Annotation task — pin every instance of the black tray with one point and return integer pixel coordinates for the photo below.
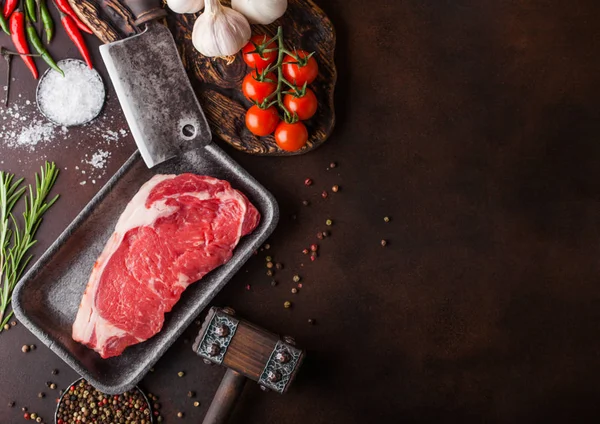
(48, 296)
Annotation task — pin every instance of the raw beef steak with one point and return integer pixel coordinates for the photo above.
(175, 230)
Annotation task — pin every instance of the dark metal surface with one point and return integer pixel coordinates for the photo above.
(475, 126)
(156, 95)
(47, 298)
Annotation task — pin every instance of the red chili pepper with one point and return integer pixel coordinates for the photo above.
(9, 7)
(75, 36)
(65, 7)
(17, 33)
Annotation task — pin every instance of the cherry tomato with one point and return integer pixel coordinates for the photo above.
(300, 71)
(261, 59)
(291, 137)
(256, 90)
(305, 106)
(262, 122)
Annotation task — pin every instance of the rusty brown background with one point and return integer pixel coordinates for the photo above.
(475, 126)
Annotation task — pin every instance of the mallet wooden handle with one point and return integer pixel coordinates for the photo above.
(229, 390)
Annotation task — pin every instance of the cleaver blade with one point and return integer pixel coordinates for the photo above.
(155, 93)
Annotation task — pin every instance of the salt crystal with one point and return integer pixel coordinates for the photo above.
(99, 159)
(82, 183)
(73, 100)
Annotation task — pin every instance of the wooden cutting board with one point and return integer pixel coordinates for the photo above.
(218, 83)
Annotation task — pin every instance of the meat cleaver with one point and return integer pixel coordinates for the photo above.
(153, 88)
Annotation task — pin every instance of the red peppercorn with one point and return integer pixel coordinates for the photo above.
(155, 413)
(314, 247)
(320, 236)
(26, 415)
(72, 388)
(305, 251)
(312, 258)
(324, 194)
(247, 286)
(104, 401)
(308, 182)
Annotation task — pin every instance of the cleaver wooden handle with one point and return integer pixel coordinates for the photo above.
(145, 10)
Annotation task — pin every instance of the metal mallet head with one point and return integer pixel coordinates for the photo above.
(247, 351)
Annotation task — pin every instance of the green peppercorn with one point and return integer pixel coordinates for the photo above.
(268, 259)
(159, 419)
(196, 404)
(33, 415)
(386, 219)
(6, 327)
(267, 246)
(287, 304)
(296, 278)
(269, 272)
(180, 373)
(329, 222)
(294, 290)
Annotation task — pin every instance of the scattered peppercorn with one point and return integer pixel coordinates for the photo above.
(278, 266)
(294, 290)
(305, 251)
(54, 371)
(287, 304)
(191, 394)
(26, 416)
(308, 182)
(324, 194)
(383, 243)
(52, 386)
(386, 219)
(311, 321)
(151, 369)
(159, 419)
(296, 278)
(299, 285)
(270, 265)
(33, 347)
(11, 404)
(320, 235)
(25, 349)
(24, 409)
(273, 283)
(13, 323)
(268, 259)
(41, 395)
(270, 272)
(248, 287)
(267, 246)
(196, 404)
(180, 415)
(314, 247)
(6, 327)
(180, 374)
(332, 165)
(305, 202)
(329, 222)
(313, 258)
(335, 188)
(325, 234)
(38, 420)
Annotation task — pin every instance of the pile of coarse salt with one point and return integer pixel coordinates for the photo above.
(74, 99)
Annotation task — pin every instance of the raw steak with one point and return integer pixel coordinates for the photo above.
(175, 230)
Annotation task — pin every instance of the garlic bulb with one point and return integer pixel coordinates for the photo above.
(260, 11)
(220, 30)
(185, 6)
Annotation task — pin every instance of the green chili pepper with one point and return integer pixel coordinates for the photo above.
(30, 6)
(47, 20)
(3, 23)
(37, 44)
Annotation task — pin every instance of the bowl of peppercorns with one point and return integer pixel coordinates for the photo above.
(82, 403)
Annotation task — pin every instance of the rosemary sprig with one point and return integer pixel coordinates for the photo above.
(15, 242)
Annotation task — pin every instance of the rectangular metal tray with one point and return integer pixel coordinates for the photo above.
(48, 296)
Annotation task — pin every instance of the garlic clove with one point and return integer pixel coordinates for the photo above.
(260, 11)
(220, 31)
(185, 6)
